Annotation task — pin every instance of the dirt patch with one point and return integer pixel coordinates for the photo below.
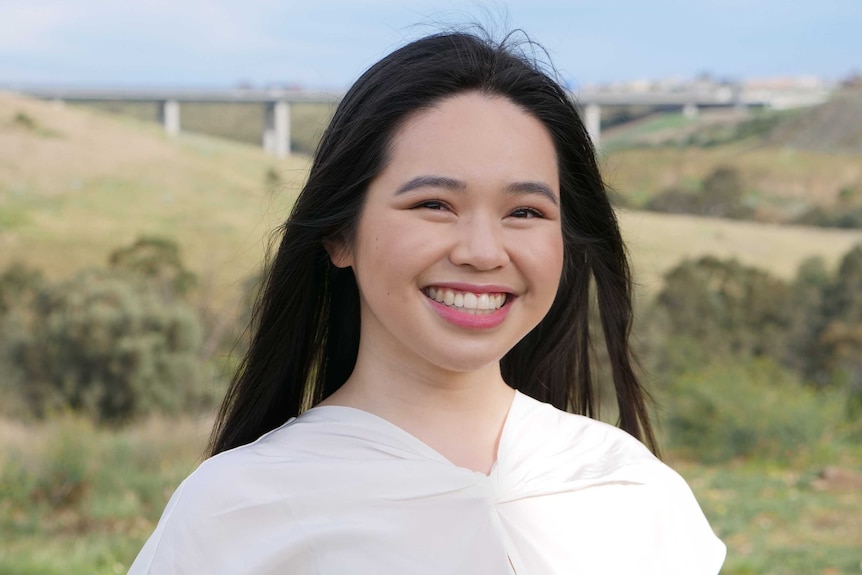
(837, 479)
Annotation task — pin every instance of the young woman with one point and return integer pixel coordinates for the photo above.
(422, 331)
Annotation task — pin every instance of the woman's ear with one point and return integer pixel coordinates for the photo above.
(339, 253)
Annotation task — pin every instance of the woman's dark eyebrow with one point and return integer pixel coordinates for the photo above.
(431, 182)
(457, 185)
(533, 188)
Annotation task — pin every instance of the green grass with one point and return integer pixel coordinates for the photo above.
(81, 500)
(708, 129)
(773, 521)
(629, 135)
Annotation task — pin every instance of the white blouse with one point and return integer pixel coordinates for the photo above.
(339, 491)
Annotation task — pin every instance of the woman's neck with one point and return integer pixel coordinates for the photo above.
(459, 414)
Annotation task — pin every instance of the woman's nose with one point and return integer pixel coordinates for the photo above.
(479, 242)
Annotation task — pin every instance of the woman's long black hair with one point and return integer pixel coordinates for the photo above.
(305, 326)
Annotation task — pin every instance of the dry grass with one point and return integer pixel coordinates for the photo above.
(782, 176)
(83, 183)
(659, 241)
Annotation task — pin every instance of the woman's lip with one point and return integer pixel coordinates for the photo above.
(466, 320)
(474, 288)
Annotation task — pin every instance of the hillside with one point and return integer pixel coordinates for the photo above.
(76, 183)
(658, 242)
(835, 126)
(778, 183)
(790, 163)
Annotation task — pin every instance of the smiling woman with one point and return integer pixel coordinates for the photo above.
(420, 343)
(461, 231)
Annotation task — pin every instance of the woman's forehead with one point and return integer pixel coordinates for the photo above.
(474, 135)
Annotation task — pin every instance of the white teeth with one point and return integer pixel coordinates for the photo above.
(471, 301)
(467, 301)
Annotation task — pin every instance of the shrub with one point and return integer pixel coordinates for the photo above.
(728, 308)
(838, 217)
(19, 288)
(158, 262)
(746, 409)
(110, 348)
(721, 195)
(24, 120)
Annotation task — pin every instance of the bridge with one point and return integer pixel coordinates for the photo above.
(275, 135)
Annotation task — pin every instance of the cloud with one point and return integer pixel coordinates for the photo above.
(33, 26)
(52, 26)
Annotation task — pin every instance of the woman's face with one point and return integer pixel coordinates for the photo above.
(458, 251)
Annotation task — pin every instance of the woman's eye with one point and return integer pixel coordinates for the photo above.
(432, 205)
(527, 213)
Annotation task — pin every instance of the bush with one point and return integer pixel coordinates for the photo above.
(747, 409)
(108, 347)
(19, 288)
(839, 217)
(158, 262)
(729, 309)
(721, 196)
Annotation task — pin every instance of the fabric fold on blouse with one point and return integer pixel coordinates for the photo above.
(339, 490)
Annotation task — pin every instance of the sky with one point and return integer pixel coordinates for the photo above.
(326, 44)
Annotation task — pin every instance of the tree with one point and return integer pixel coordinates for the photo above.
(845, 295)
(109, 347)
(158, 262)
(720, 196)
(725, 308)
(837, 349)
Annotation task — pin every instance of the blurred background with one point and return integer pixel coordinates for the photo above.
(148, 150)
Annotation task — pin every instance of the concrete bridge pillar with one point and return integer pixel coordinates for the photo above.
(592, 117)
(170, 113)
(690, 111)
(276, 129)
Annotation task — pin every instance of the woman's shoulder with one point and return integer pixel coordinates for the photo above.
(597, 447)
(597, 471)
(545, 445)
(229, 496)
(243, 470)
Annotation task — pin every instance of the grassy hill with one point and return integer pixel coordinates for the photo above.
(836, 126)
(778, 183)
(77, 183)
(789, 162)
(657, 242)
